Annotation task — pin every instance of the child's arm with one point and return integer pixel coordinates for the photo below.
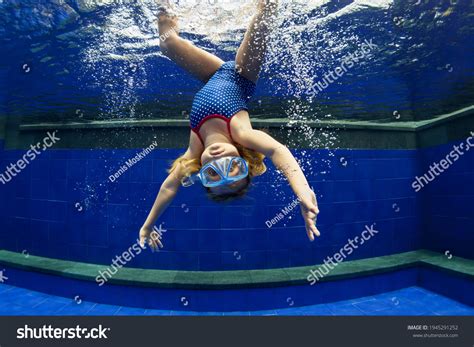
(286, 163)
(167, 192)
(169, 189)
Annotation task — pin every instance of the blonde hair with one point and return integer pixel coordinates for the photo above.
(254, 160)
(185, 166)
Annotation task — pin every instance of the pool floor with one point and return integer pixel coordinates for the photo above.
(411, 301)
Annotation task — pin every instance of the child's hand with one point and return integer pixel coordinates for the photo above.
(151, 237)
(310, 211)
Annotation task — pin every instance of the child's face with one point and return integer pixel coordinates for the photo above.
(220, 150)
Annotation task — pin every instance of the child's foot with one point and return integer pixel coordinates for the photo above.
(165, 8)
(167, 20)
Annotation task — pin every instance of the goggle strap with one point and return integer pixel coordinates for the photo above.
(188, 181)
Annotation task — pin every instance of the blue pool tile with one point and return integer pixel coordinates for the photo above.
(75, 309)
(12, 310)
(413, 301)
(157, 313)
(103, 310)
(265, 313)
(237, 313)
(14, 295)
(130, 311)
(5, 287)
(455, 311)
(49, 307)
(345, 309)
(315, 310)
(142, 171)
(369, 305)
(59, 300)
(212, 314)
(58, 168)
(208, 260)
(387, 312)
(185, 313)
(32, 300)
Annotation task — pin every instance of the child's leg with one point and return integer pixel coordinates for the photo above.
(195, 60)
(251, 53)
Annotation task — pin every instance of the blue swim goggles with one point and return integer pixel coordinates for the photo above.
(219, 172)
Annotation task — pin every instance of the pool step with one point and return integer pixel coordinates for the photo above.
(238, 278)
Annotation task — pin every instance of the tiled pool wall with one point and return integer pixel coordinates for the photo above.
(63, 205)
(448, 203)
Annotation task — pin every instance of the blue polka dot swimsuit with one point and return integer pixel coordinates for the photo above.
(226, 93)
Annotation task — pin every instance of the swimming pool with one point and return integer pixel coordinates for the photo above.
(71, 216)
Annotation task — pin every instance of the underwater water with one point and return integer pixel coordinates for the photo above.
(89, 59)
(88, 67)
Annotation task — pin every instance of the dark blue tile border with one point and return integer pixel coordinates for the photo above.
(246, 299)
